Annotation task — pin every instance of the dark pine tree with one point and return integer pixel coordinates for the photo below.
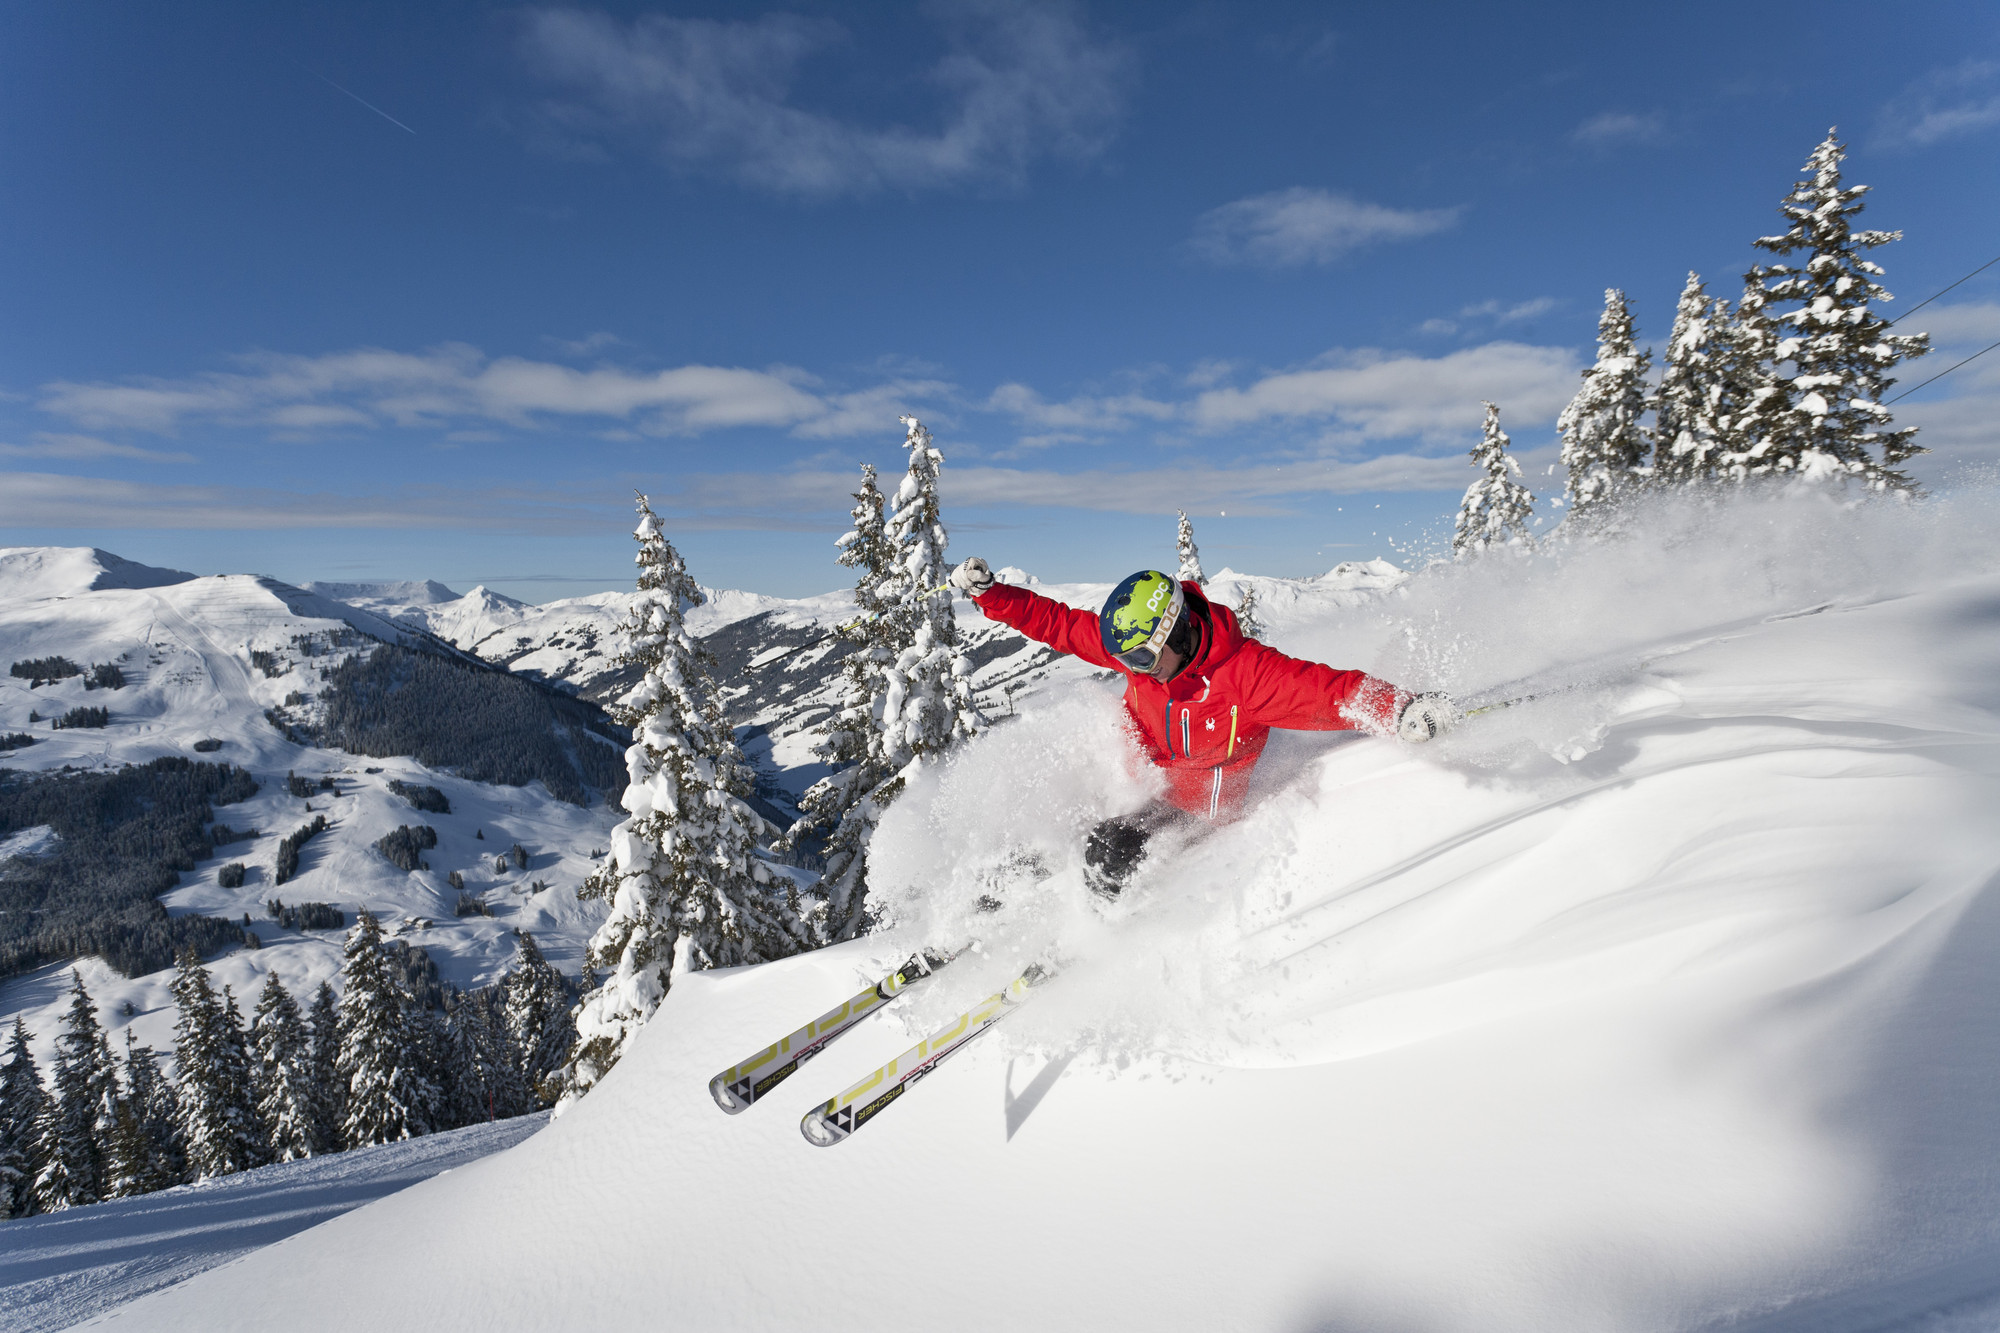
(21, 1100)
(145, 1149)
(483, 1069)
(539, 1026)
(72, 1171)
(329, 1093)
(242, 1089)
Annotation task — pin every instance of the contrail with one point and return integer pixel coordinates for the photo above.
(370, 105)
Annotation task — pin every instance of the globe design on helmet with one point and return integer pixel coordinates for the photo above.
(1139, 616)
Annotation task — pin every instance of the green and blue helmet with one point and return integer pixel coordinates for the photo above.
(1142, 613)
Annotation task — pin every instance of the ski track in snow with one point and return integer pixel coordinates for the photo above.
(64, 1268)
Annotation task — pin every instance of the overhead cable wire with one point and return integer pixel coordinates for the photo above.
(1934, 296)
(1942, 373)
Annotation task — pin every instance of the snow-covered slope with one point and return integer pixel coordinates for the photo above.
(31, 573)
(1662, 1002)
(203, 659)
(60, 1268)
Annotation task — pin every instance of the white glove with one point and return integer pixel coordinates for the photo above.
(972, 578)
(1425, 716)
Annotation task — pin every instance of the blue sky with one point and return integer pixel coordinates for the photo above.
(361, 291)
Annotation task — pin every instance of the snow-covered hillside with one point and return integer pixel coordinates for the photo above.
(203, 658)
(1661, 1002)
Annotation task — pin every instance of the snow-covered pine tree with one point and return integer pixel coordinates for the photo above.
(928, 705)
(1190, 556)
(538, 1026)
(217, 1122)
(386, 1094)
(82, 1100)
(1496, 508)
(838, 805)
(908, 690)
(107, 1097)
(236, 1066)
(686, 888)
(430, 1050)
(1246, 614)
(468, 1081)
(485, 1070)
(1693, 401)
(1604, 441)
(127, 1158)
(281, 1074)
(21, 1101)
(1751, 397)
(323, 1064)
(145, 1148)
(1829, 421)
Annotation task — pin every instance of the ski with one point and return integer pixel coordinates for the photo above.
(827, 1125)
(740, 1085)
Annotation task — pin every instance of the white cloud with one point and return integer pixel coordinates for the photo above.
(1288, 228)
(1490, 312)
(1966, 322)
(875, 409)
(1607, 129)
(1079, 417)
(1942, 105)
(454, 384)
(1020, 81)
(1501, 313)
(51, 500)
(581, 347)
(77, 448)
(1254, 491)
(1955, 417)
(1385, 395)
(1206, 373)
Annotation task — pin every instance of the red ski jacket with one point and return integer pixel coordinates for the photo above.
(1207, 726)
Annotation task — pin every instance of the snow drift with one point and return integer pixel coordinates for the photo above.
(1662, 1001)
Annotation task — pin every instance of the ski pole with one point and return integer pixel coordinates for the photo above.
(1496, 707)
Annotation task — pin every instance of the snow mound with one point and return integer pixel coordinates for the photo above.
(1660, 1001)
(35, 573)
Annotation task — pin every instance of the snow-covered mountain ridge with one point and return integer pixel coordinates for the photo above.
(1660, 1002)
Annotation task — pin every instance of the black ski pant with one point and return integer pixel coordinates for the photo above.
(1118, 845)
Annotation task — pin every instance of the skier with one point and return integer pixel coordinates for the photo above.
(1202, 696)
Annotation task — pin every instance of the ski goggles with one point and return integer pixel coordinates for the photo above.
(1146, 656)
